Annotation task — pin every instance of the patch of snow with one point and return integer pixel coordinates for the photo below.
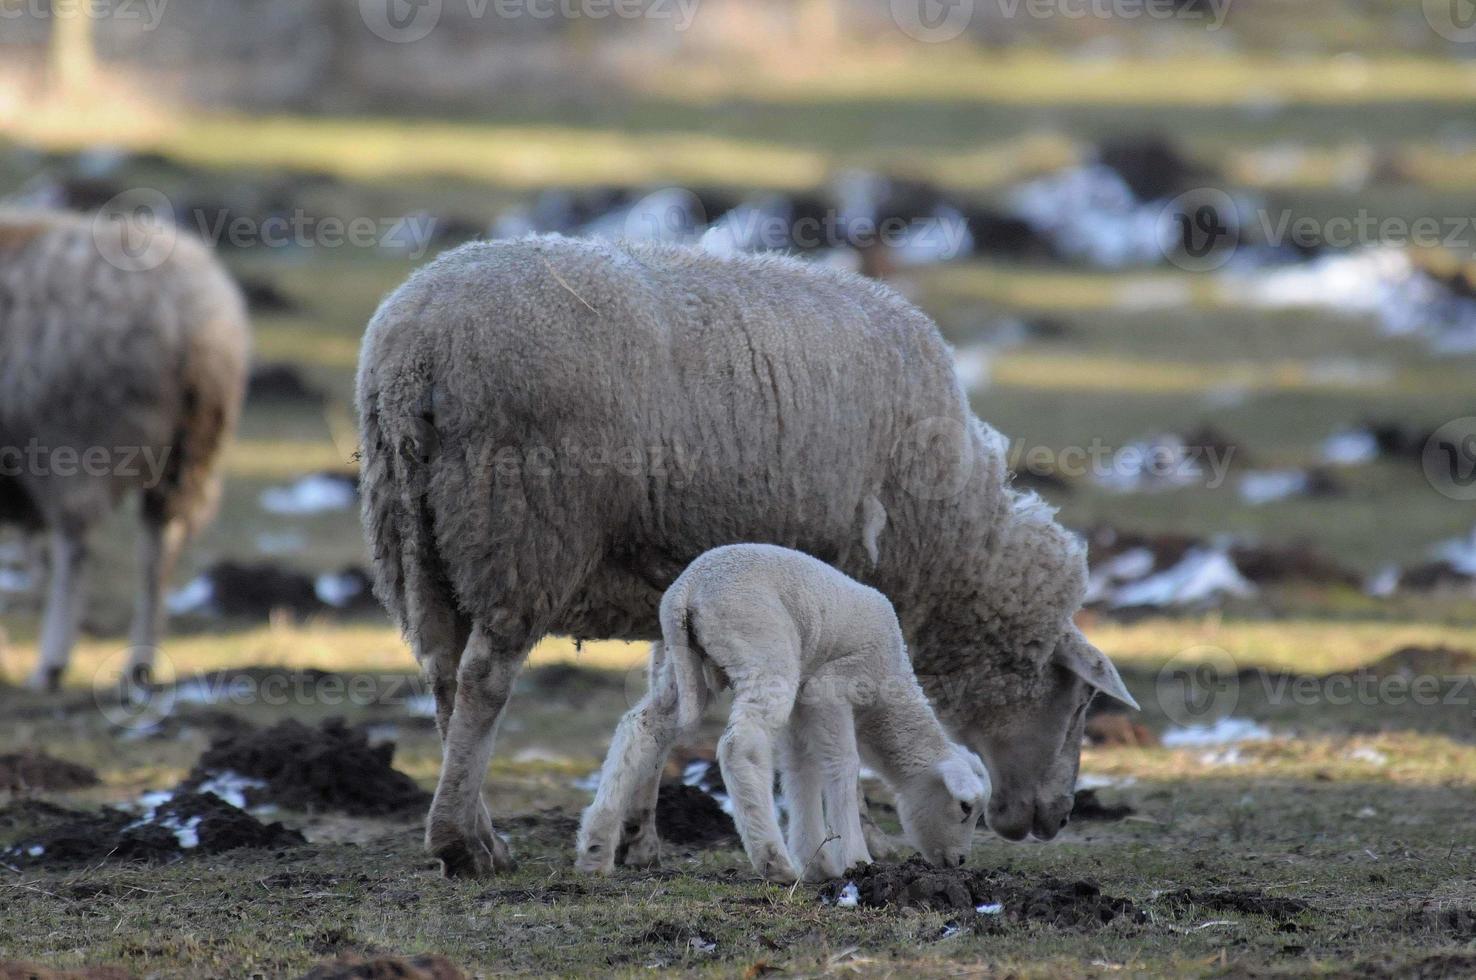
(1366, 753)
(1223, 731)
(1231, 756)
(989, 908)
(421, 706)
(197, 596)
(318, 493)
(849, 897)
(1160, 462)
(231, 787)
(973, 364)
(338, 589)
(1091, 780)
(1460, 552)
(1269, 486)
(1129, 566)
(1351, 447)
(1091, 214)
(280, 542)
(1200, 576)
(535, 753)
(187, 832)
(1366, 813)
(590, 783)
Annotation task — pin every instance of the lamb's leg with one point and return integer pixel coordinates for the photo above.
(63, 608)
(842, 803)
(802, 777)
(641, 844)
(746, 754)
(159, 544)
(878, 842)
(459, 830)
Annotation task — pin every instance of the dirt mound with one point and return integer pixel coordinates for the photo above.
(687, 816)
(1419, 661)
(1086, 806)
(332, 767)
(23, 772)
(187, 823)
(427, 967)
(1276, 907)
(1034, 898)
(1115, 728)
(20, 970)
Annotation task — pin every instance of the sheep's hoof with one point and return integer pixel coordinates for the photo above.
(46, 680)
(595, 861)
(479, 856)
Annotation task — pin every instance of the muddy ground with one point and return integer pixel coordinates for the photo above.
(1344, 854)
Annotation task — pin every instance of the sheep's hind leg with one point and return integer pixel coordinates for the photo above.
(63, 608)
(459, 830)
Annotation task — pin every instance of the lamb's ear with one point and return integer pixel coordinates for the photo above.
(961, 781)
(1091, 665)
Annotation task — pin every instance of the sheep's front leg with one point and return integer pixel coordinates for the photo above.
(159, 544)
(746, 755)
(63, 608)
(842, 802)
(459, 830)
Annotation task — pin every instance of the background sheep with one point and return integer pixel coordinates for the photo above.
(553, 429)
(820, 674)
(122, 365)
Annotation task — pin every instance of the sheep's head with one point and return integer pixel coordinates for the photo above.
(1024, 707)
(940, 807)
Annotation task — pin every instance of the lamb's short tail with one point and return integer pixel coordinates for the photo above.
(684, 654)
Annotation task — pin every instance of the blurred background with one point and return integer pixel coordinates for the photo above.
(1207, 263)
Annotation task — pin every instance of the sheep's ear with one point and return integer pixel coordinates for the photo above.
(1091, 665)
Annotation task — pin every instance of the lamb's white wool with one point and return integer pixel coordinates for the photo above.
(122, 367)
(820, 680)
(553, 429)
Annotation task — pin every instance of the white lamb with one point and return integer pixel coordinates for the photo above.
(819, 671)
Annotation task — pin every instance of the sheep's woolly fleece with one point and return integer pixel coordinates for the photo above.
(147, 362)
(553, 429)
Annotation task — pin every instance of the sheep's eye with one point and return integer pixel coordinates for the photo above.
(968, 810)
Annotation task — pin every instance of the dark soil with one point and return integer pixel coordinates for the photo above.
(1276, 907)
(74, 837)
(1087, 807)
(1074, 905)
(255, 590)
(427, 967)
(265, 296)
(20, 970)
(1418, 661)
(687, 816)
(278, 382)
(22, 772)
(332, 767)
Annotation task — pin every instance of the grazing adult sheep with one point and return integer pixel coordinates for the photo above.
(819, 674)
(553, 429)
(122, 366)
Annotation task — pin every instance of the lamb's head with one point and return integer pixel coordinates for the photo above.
(1033, 674)
(940, 806)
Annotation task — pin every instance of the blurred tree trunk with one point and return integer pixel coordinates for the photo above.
(73, 57)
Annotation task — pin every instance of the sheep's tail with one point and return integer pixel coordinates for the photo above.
(212, 386)
(686, 660)
(398, 452)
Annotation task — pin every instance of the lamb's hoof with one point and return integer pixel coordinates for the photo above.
(643, 851)
(479, 856)
(595, 859)
(46, 680)
(881, 846)
(777, 868)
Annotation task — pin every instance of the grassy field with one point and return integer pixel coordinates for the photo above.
(1357, 815)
